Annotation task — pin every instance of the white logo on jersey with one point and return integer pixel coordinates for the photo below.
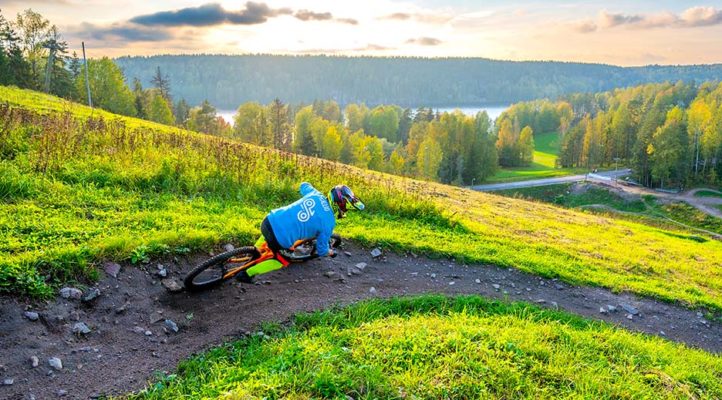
(306, 210)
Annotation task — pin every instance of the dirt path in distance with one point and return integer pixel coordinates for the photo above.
(130, 340)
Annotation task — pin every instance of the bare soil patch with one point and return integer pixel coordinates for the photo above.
(130, 340)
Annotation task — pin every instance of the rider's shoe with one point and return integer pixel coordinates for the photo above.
(243, 277)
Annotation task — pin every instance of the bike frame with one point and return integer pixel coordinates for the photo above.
(266, 254)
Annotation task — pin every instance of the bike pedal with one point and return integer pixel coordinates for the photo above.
(243, 277)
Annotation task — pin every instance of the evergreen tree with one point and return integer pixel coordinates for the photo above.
(162, 83)
(181, 112)
(304, 141)
(280, 127)
(14, 70)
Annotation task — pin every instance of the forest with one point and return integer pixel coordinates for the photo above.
(227, 81)
(670, 134)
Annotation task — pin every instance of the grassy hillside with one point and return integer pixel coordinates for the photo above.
(75, 191)
(645, 208)
(434, 347)
(546, 148)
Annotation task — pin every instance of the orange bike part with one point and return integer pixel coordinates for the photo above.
(266, 254)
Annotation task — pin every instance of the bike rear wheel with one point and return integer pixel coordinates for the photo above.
(215, 270)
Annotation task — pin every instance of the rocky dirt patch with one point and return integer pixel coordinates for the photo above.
(118, 333)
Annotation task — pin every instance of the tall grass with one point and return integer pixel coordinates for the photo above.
(434, 347)
(78, 190)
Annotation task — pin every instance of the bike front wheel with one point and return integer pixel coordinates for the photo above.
(215, 270)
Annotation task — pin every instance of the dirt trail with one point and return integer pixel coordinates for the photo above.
(126, 347)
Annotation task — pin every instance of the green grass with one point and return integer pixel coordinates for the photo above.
(434, 347)
(75, 192)
(646, 210)
(562, 195)
(543, 166)
(707, 193)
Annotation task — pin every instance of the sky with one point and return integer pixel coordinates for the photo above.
(619, 32)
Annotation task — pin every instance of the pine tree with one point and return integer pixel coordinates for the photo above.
(279, 125)
(162, 83)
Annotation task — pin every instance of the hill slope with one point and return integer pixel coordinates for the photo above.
(76, 191)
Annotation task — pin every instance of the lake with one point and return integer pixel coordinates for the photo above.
(493, 111)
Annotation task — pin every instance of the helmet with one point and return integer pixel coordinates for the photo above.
(341, 195)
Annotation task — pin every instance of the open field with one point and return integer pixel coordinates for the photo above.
(708, 193)
(78, 191)
(646, 209)
(436, 347)
(543, 166)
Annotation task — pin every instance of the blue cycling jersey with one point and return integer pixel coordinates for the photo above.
(309, 217)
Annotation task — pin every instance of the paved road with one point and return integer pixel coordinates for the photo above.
(548, 181)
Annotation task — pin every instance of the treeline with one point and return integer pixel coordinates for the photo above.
(227, 81)
(448, 147)
(669, 134)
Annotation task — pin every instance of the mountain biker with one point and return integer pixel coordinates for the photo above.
(309, 217)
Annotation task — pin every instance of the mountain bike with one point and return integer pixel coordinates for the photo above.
(224, 266)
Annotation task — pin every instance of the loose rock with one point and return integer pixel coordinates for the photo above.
(55, 363)
(347, 253)
(376, 253)
(8, 381)
(71, 293)
(228, 247)
(62, 393)
(495, 286)
(477, 280)
(31, 315)
(631, 310)
(330, 274)
(353, 271)
(611, 308)
(91, 295)
(451, 283)
(361, 266)
(34, 361)
(171, 325)
(372, 290)
(433, 276)
(602, 310)
(171, 285)
(112, 269)
(162, 272)
(81, 329)
(155, 317)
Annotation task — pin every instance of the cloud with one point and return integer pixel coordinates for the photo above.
(437, 18)
(121, 31)
(397, 16)
(349, 21)
(368, 47)
(701, 16)
(690, 18)
(211, 14)
(305, 15)
(425, 41)
(608, 20)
